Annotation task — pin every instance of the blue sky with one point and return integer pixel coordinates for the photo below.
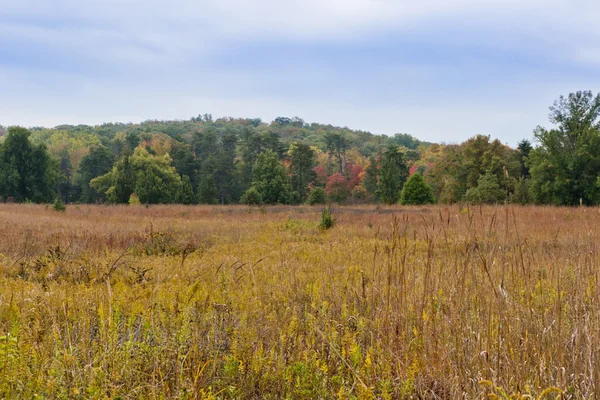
(440, 70)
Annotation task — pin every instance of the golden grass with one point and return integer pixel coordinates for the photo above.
(232, 302)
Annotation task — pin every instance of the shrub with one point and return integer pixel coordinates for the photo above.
(360, 193)
(487, 191)
(416, 191)
(316, 196)
(59, 205)
(327, 220)
(337, 188)
(251, 197)
(134, 199)
(522, 195)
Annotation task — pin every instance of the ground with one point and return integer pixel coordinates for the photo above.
(239, 302)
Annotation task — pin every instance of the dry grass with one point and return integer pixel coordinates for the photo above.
(221, 302)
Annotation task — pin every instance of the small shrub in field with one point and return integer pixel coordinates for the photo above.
(327, 220)
(59, 205)
(317, 196)
(134, 199)
(251, 197)
(416, 191)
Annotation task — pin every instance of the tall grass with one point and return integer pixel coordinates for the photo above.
(227, 302)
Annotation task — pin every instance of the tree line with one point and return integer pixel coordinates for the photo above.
(288, 161)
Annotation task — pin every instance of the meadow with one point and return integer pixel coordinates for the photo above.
(227, 302)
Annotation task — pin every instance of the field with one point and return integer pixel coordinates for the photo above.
(237, 302)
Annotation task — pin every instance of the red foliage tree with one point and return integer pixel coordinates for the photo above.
(337, 188)
(355, 172)
(321, 178)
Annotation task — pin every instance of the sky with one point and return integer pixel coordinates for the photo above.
(441, 70)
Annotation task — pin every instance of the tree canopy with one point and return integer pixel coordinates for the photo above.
(216, 160)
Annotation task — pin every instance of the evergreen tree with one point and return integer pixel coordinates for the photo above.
(487, 191)
(251, 197)
(371, 182)
(524, 148)
(123, 182)
(522, 195)
(207, 190)
(317, 196)
(392, 175)
(416, 191)
(302, 162)
(186, 192)
(184, 162)
(270, 179)
(27, 172)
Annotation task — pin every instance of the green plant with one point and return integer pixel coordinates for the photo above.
(59, 205)
(416, 191)
(251, 197)
(134, 199)
(327, 220)
(316, 196)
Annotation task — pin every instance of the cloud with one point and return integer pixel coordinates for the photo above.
(433, 68)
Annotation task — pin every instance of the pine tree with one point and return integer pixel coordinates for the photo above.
(270, 179)
(371, 178)
(186, 193)
(416, 191)
(392, 175)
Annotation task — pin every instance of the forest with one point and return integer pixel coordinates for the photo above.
(289, 161)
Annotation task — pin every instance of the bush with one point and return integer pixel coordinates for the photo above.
(134, 200)
(317, 196)
(521, 194)
(360, 193)
(337, 188)
(416, 191)
(251, 197)
(59, 205)
(487, 191)
(327, 220)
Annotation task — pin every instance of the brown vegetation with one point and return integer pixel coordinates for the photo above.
(238, 302)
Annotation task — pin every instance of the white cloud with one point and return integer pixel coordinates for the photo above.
(156, 52)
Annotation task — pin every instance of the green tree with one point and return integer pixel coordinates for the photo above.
(524, 148)
(336, 145)
(416, 191)
(65, 187)
(317, 196)
(487, 191)
(522, 195)
(27, 172)
(302, 162)
(185, 162)
(566, 164)
(156, 180)
(270, 179)
(207, 190)
(251, 197)
(97, 162)
(392, 175)
(186, 192)
(371, 182)
(153, 179)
